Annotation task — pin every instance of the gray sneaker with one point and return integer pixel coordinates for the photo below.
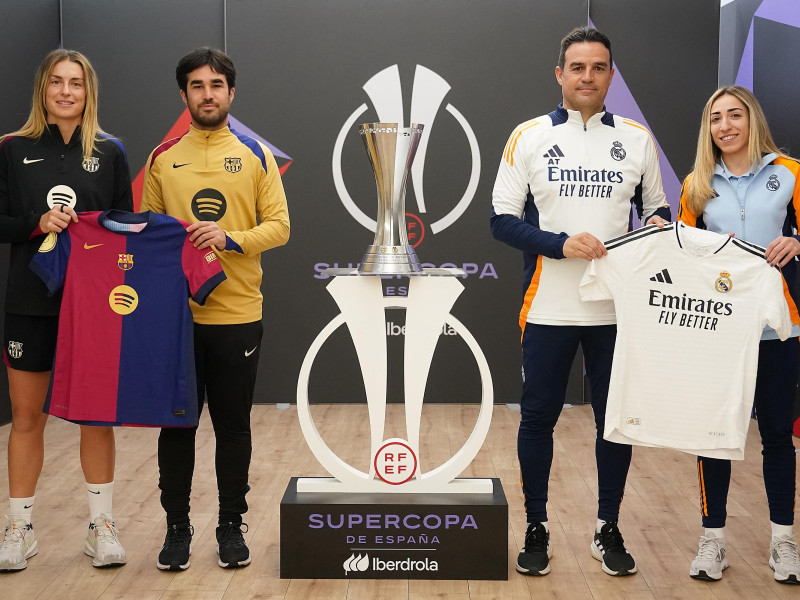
(19, 544)
(102, 544)
(710, 561)
(783, 559)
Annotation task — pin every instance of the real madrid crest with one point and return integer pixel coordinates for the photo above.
(233, 164)
(617, 151)
(723, 283)
(91, 164)
(773, 185)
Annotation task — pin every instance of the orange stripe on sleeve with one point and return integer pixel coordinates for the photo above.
(684, 214)
(794, 167)
(795, 317)
(512, 142)
(530, 294)
(643, 128)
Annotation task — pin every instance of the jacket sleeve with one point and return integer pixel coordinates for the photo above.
(793, 208)
(123, 195)
(685, 215)
(13, 227)
(654, 201)
(270, 203)
(509, 196)
(152, 197)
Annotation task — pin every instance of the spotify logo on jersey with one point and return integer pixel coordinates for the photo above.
(208, 205)
(123, 300)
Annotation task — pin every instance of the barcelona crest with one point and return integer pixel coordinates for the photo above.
(233, 165)
(14, 349)
(125, 262)
(91, 164)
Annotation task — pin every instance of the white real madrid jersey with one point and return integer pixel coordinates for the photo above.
(691, 306)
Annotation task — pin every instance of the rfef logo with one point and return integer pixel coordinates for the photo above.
(395, 462)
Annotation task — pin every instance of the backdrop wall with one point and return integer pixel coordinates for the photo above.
(308, 71)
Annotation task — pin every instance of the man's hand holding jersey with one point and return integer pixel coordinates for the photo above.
(207, 233)
(583, 245)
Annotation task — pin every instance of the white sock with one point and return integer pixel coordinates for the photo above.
(599, 525)
(546, 526)
(779, 530)
(714, 532)
(100, 496)
(20, 509)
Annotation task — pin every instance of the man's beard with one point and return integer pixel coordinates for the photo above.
(210, 120)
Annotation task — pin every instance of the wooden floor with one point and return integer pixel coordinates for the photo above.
(660, 519)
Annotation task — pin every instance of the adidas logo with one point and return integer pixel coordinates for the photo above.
(663, 277)
(554, 152)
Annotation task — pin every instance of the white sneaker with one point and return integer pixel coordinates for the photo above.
(103, 545)
(710, 561)
(19, 544)
(783, 559)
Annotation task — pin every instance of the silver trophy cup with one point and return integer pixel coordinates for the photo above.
(391, 151)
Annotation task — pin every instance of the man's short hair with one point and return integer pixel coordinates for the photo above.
(583, 34)
(216, 59)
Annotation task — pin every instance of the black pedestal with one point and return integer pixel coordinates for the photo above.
(394, 536)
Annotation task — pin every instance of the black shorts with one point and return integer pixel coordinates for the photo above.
(29, 342)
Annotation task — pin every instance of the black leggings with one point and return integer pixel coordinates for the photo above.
(776, 389)
(226, 362)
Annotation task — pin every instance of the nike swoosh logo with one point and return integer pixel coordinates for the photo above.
(175, 165)
(27, 161)
(249, 352)
(27, 507)
(90, 246)
(93, 492)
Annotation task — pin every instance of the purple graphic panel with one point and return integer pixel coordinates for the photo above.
(780, 11)
(242, 128)
(621, 102)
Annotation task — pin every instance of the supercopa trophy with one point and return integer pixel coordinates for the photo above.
(397, 516)
(391, 151)
(395, 464)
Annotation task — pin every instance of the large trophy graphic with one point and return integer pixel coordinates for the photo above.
(387, 502)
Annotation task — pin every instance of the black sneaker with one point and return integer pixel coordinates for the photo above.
(174, 555)
(609, 548)
(232, 550)
(535, 556)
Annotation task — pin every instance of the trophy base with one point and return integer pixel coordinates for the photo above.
(372, 535)
(389, 260)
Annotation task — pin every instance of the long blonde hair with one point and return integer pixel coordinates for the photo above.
(36, 124)
(760, 142)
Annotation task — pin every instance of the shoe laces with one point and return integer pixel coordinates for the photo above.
(786, 548)
(13, 535)
(710, 548)
(105, 531)
(232, 534)
(178, 534)
(612, 538)
(536, 538)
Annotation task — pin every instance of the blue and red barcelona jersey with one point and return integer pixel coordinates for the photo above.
(125, 347)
